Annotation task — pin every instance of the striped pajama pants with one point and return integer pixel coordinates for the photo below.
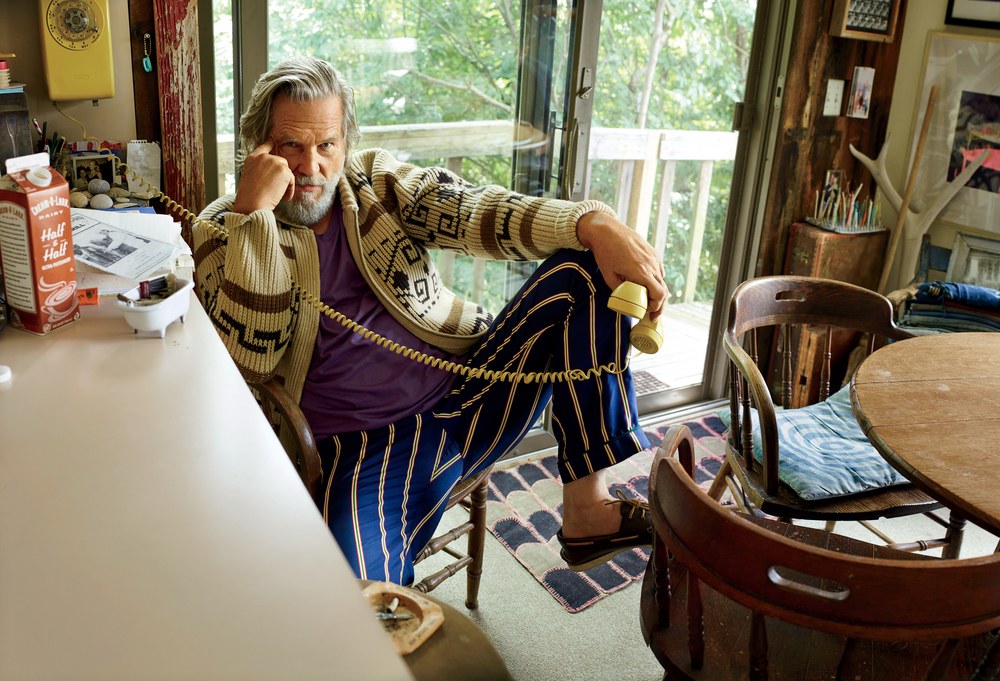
(386, 489)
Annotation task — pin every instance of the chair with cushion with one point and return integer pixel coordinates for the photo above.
(813, 462)
(729, 595)
(294, 432)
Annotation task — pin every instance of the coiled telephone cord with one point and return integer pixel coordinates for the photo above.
(389, 344)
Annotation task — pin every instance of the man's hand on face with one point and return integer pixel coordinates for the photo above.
(266, 179)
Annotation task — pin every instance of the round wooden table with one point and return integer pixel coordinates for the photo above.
(931, 406)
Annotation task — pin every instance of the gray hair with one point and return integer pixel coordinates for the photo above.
(303, 79)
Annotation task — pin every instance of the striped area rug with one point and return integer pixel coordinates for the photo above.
(524, 512)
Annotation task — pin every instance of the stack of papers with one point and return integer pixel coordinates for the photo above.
(115, 251)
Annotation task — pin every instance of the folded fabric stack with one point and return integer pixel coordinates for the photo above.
(941, 306)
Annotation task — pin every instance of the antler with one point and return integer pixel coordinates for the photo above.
(916, 222)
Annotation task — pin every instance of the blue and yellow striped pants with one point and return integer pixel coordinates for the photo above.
(386, 489)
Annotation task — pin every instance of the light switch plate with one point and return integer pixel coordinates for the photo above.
(834, 97)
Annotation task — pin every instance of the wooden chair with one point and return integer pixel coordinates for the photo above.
(833, 604)
(294, 432)
(811, 318)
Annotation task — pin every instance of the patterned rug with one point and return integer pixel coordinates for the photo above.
(524, 512)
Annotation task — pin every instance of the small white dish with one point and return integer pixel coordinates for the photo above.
(156, 316)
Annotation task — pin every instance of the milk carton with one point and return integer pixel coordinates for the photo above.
(36, 246)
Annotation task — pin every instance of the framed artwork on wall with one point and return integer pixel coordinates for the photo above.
(865, 19)
(975, 260)
(965, 124)
(981, 13)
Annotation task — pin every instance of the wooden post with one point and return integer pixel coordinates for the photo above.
(698, 229)
(179, 79)
(643, 180)
(664, 207)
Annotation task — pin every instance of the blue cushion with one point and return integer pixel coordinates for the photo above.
(824, 454)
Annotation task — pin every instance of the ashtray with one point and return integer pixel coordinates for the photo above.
(406, 616)
(156, 314)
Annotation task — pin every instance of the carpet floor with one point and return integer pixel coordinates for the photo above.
(524, 512)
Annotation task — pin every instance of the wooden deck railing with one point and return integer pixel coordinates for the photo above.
(643, 156)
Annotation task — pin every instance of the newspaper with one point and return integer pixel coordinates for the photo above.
(111, 244)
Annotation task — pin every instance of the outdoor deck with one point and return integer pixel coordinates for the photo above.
(681, 360)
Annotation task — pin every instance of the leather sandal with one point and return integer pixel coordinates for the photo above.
(583, 553)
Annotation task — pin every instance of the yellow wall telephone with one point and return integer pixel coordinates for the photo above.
(628, 298)
(76, 48)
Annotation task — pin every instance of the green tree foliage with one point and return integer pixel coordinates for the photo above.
(663, 64)
(412, 61)
(697, 78)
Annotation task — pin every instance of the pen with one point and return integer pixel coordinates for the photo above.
(41, 135)
(56, 147)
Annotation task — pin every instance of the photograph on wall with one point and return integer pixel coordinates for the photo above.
(861, 92)
(964, 123)
(832, 187)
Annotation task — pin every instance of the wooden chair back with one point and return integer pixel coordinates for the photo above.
(810, 317)
(296, 436)
(826, 306)
(810, 578)
(786, 305)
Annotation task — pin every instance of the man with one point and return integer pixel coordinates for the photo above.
(395, 435)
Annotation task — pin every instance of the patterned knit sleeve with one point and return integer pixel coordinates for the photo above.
(441, 210)
(245, 287)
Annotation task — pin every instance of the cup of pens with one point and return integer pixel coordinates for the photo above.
(54, 146)
(155, 304)
(843, 210)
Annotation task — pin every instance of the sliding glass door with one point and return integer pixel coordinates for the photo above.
(670, 74)
(628, 101)
(433, 85)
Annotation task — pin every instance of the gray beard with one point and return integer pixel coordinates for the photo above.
(305, 210)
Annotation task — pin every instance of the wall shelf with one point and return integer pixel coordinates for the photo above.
(865, 19)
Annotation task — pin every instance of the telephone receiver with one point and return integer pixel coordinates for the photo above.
(631, 299)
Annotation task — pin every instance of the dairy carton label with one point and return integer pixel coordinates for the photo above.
(36, 250)
(15, 257)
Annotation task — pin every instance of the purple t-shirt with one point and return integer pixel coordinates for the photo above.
(353, 384)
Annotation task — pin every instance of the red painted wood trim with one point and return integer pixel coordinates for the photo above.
(179, 77)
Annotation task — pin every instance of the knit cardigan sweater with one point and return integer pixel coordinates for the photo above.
(393, 213)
